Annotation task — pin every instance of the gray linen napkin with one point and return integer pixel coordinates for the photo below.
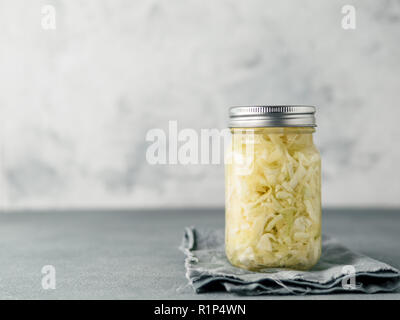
(208, 269)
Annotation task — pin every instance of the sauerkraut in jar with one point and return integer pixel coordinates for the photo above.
(273, 189)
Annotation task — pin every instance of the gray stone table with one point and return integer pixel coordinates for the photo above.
(133, 254)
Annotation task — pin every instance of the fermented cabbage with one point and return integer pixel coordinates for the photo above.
(273, 199)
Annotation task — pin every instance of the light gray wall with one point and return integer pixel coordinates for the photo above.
(76, 102)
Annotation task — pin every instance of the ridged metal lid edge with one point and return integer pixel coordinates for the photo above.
(272, 116)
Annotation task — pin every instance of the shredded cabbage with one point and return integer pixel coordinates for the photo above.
(273, 209)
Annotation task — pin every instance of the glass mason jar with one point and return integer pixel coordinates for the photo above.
(273, 189)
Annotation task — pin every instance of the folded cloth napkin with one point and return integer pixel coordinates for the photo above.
(339, 270)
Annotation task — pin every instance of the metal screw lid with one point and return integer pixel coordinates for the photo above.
(272, 116)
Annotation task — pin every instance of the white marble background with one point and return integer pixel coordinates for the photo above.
(76, 102)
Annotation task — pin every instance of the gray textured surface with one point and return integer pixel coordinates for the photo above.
(134, 254)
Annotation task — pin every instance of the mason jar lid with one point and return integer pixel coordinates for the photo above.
(272, 116)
